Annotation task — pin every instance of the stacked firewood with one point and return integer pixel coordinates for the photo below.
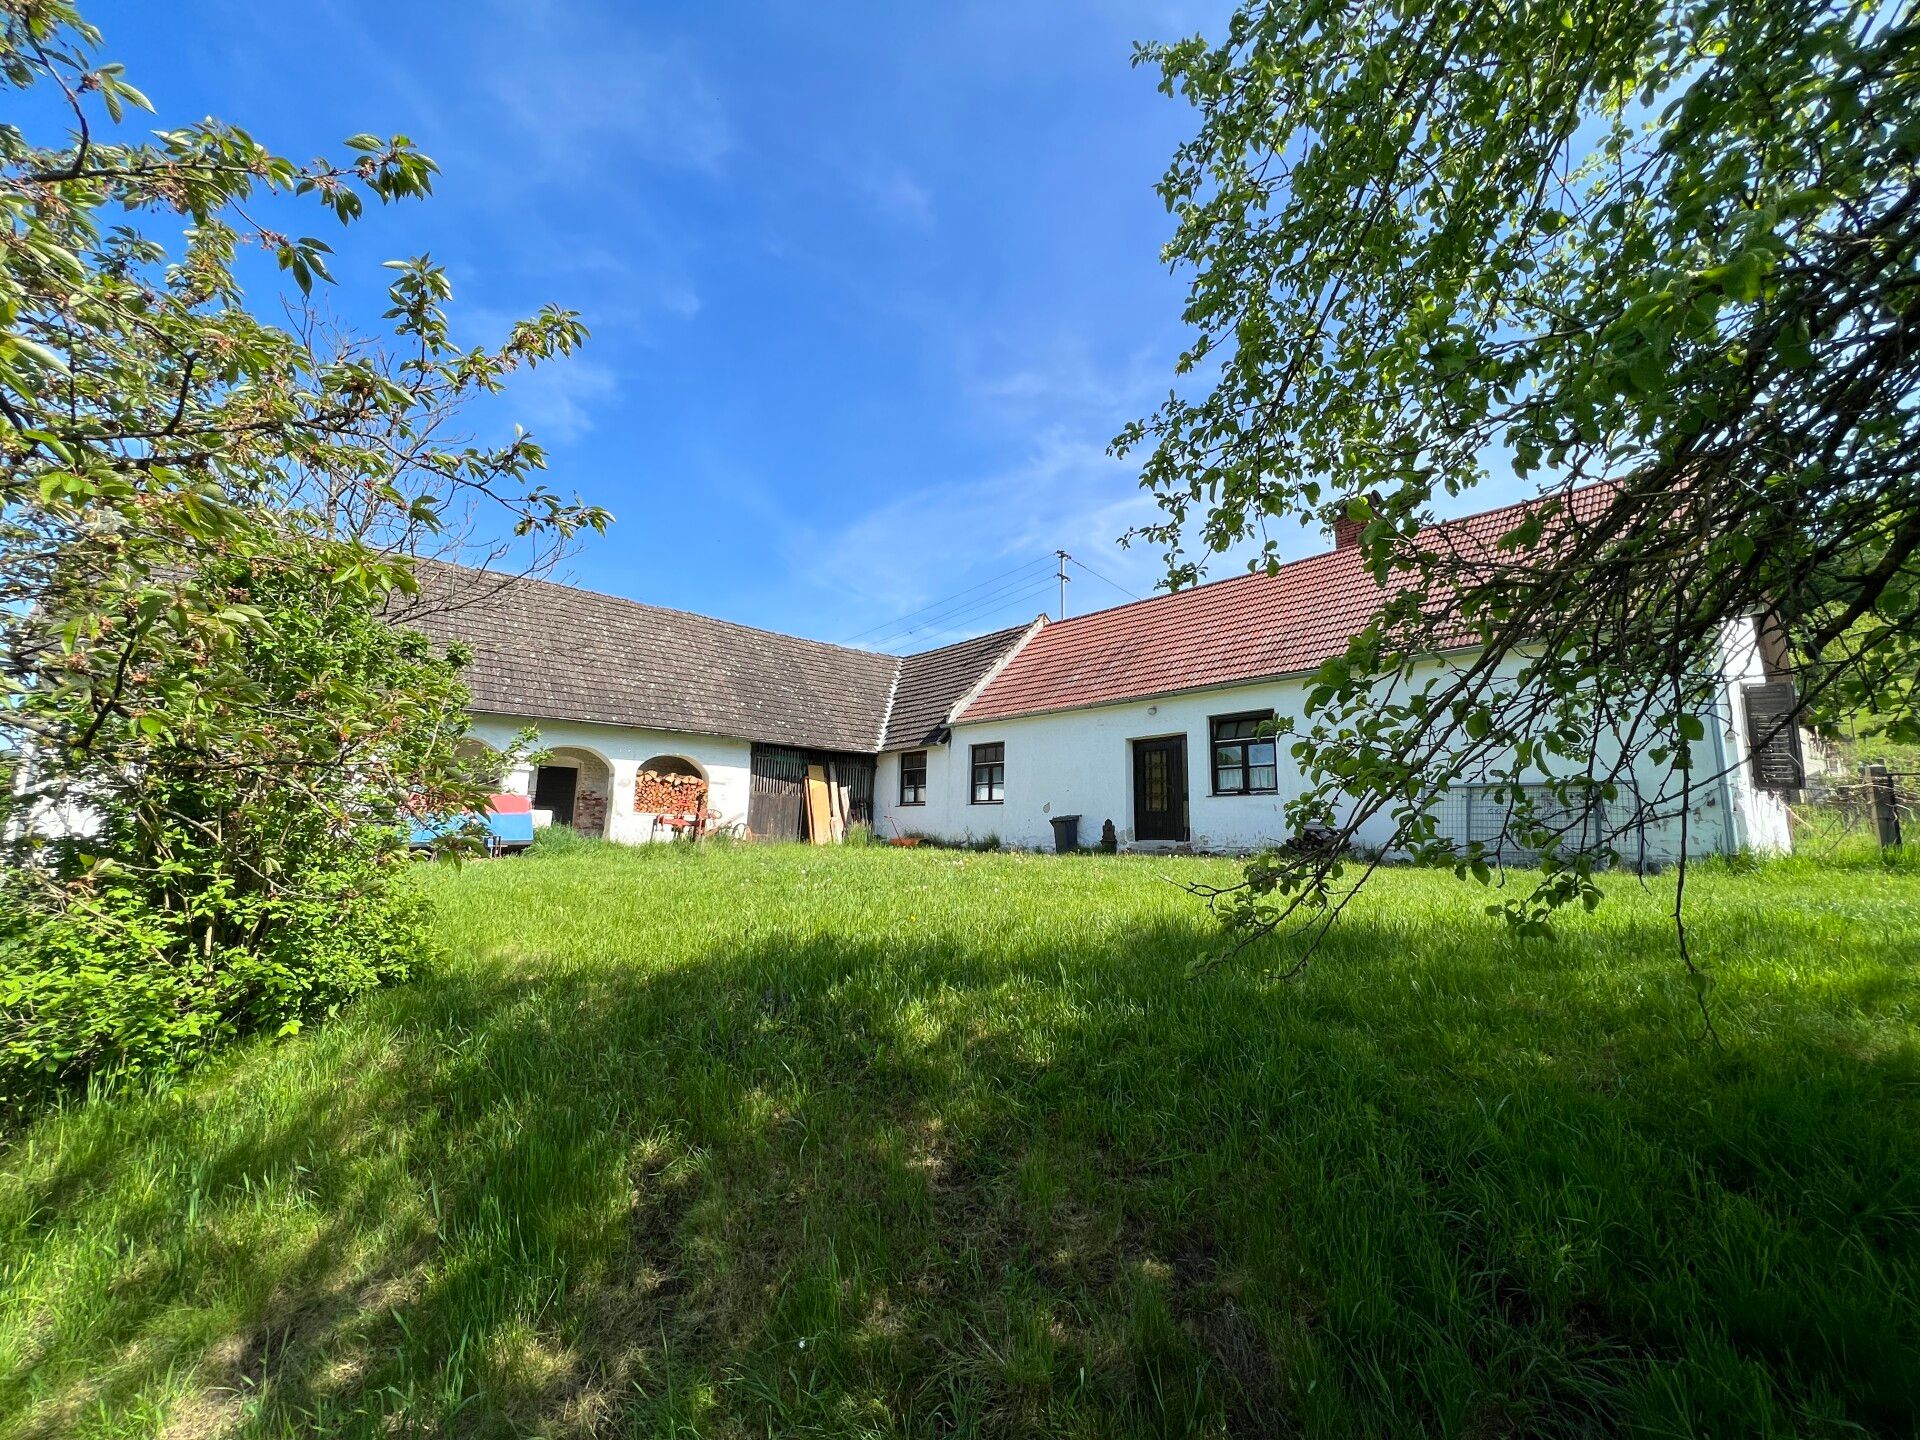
(657, 794)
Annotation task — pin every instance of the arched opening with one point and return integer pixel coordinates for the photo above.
(672, 765)
(575, 787)
(672, 789)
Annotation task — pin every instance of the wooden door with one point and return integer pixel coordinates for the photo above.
(1160, 789)
(776, 801)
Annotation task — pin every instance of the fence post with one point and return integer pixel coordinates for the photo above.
(1886, 813)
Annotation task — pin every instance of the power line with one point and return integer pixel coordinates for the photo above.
(1005, 595)
(986, 606)
(976, 610)
(1098, 576)
(944, 600)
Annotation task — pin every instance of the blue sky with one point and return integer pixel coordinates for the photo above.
(871, 285)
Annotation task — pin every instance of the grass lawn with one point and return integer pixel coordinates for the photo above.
(785, 1142)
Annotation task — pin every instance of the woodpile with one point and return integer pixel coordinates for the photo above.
(657, 794)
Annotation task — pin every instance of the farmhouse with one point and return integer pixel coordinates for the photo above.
(1149, 715)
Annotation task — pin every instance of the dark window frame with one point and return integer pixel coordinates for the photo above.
(1244, 744)
(920, 790)
(996, 766)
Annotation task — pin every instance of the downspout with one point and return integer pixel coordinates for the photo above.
(1731, 843)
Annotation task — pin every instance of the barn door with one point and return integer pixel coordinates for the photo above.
(776, 801)
(856, 773)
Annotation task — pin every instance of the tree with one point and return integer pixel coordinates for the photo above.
(202, 516)
(1668, 250)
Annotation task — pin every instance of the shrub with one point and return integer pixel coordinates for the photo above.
(120, 990)
(246, 867)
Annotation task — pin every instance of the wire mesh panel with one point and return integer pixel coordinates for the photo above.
(1494, 817)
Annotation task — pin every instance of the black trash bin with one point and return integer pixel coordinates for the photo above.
(1066, 833)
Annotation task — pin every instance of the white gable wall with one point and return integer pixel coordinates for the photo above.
(1761, 818)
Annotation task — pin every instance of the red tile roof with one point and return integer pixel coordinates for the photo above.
(1252, 627)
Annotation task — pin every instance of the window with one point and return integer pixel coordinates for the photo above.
(913, 778)
(989, 774)
(1243, 758)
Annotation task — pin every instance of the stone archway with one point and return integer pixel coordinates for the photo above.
(575, 785)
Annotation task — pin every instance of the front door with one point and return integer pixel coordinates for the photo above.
(553, 789)
(1160, 789)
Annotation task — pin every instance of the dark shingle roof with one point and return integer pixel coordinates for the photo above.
(553, 652)
(933, 680)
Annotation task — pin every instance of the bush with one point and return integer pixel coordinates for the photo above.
(246, 868)
(120, 990)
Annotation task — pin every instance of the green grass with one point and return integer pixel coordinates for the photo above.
(760, 1141)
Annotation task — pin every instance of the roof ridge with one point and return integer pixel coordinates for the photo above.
(506, 577)
(886, 711)
(1446, 524)
(969, 640)
(992, 672)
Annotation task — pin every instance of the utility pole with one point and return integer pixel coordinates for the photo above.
(1062, 577)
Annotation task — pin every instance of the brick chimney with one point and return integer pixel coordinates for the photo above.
(1346, 530)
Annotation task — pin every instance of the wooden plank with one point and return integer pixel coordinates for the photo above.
(819, 806)
(837, 787)
(776, 808)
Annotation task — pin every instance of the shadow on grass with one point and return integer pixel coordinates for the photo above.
(809, 1183)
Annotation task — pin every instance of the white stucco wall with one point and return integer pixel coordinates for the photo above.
(724, 763)
(1760, 817)
(1081, 762)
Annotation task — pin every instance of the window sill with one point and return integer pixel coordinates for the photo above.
(986, 802)
(910, 804)
(1240, 794)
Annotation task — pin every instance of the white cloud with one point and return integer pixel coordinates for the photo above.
(577, 118)
(582, 101)
(1066, 494)
(679, 299)
(557, 401)
(896, 194)
(1058, 381)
